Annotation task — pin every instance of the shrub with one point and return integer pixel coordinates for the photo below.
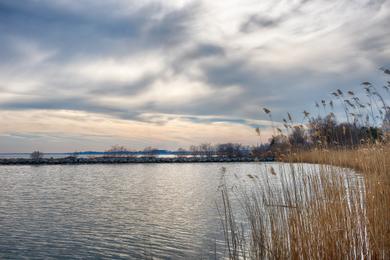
(36, 156)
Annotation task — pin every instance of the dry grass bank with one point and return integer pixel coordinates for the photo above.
(319, 216)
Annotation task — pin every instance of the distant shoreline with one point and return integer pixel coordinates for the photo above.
(128, 160)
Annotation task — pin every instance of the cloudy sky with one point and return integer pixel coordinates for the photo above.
(87, 74)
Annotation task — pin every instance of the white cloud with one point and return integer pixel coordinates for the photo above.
(169, 92)
(117, 70)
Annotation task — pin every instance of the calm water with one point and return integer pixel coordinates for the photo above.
(164, 211)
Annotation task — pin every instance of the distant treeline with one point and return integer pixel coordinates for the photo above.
(227, 150)
(206, 150)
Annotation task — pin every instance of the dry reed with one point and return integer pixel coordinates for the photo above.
(317, 214)
(373, 162)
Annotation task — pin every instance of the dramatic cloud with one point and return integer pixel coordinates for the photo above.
(87, 74)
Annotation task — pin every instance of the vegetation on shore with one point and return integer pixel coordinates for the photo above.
(204, 151)
(373, 163)
(319, 213)
(122, 160)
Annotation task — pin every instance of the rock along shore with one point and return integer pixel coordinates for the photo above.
(120, 160)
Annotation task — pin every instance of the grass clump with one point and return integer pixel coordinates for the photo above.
(373, 163)
(314, 212)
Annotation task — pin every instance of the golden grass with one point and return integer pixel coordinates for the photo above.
(373, 162)
(320, 215)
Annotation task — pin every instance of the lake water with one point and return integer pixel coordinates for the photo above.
(164, 211)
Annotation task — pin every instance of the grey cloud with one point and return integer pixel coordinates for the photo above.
(231, 72)
(262, 21)
(292, 90)
(75, 103)
(84, 33)
(204, 50)
(76, 33)
(255, 22)
(172, 28)
(161, 119)
(126, 89)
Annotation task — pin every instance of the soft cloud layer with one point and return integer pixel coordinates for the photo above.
(87, 74)
(69, 129)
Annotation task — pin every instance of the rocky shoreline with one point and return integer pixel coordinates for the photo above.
(121, 160)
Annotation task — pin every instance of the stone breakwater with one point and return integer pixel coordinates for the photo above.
(119, 160)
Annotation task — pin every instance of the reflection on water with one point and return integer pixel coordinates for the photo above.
(164, 211)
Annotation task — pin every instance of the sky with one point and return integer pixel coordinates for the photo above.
(88, 74)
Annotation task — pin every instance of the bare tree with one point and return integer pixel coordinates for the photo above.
(150, 152)
(36, 156)
(259, 150)
(117, 151)
(229, 150)
(206, 150)
(298, 137)
(194, 150)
